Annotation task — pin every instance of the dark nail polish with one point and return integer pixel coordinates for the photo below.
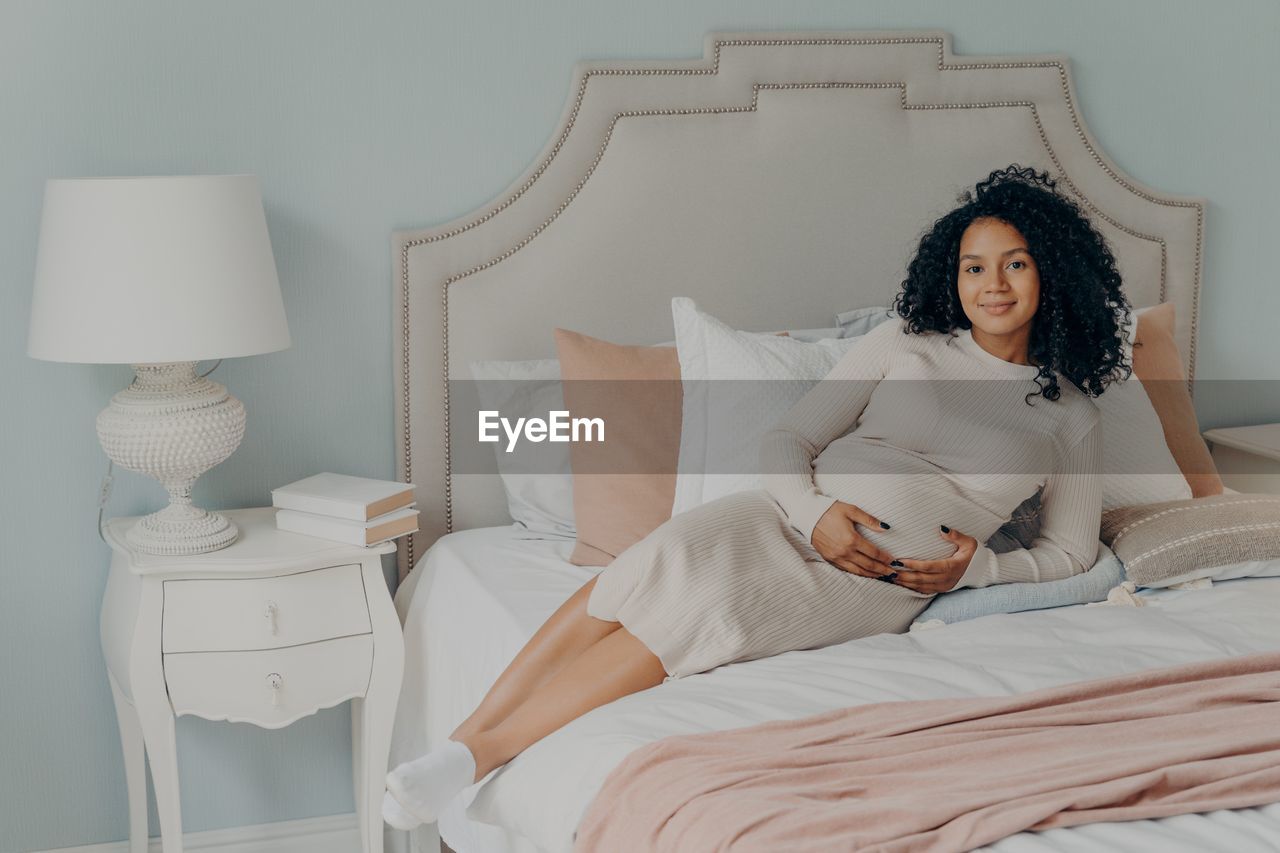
(897, 564)
(885, 525)
(945, 529)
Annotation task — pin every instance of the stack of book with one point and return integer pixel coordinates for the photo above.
(355, 510)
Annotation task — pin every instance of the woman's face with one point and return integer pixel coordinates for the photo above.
(998, 283)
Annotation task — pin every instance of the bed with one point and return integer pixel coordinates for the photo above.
(776, 158)
(482, 592)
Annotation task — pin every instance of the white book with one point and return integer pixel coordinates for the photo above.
(384, 527)
(343, 496)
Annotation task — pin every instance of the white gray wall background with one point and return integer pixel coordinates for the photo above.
(365, 117)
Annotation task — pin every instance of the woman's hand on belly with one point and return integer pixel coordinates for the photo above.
(837, 540)
(934, 576)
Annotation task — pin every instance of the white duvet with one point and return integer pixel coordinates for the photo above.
(478, 595)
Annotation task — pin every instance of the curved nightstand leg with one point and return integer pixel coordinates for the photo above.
(135, 770)
(373, 716)
(162, 758)
(365, 819)
(371, 721)
(155, 714)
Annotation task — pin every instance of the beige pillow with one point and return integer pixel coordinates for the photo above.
(1174, 541)
(1158, 365)
(623, 487)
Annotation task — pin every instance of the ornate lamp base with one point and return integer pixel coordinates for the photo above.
(173, 425)
(179, 530)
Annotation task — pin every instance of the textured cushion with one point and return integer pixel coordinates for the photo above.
(971, 603)
(1168, 543)
(1157, 363)
(536, 477)
(623, 487)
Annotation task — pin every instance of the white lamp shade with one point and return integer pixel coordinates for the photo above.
(150, 270)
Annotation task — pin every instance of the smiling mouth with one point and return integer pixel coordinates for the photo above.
(996, 307)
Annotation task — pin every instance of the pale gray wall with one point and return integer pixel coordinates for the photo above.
(365, 117)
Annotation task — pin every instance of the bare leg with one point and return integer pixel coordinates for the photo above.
(563, 637)
(615, 666)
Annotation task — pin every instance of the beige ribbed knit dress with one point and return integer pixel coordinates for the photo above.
(950, 440)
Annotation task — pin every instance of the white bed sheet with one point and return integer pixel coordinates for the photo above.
(479, 594)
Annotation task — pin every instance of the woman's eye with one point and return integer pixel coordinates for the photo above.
(973, 269)
(1018, 264)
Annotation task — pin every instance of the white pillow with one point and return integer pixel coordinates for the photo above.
(1137, 466)
(724, 422)
(859, 321)
(537, 477)
(811, 335)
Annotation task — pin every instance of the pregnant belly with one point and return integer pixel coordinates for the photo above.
(905, 490)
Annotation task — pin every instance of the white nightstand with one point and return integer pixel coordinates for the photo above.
(1248, 458)
(269, 630)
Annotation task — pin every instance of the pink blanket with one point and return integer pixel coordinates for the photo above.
(953, 774)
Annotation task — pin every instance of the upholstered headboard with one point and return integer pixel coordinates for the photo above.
(778, 180)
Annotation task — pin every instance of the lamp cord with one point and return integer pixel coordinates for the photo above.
(104, 491)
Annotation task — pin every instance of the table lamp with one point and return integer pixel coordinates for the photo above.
(160, 273)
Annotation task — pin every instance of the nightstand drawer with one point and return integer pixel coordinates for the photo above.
(269, 688)
(209, 615)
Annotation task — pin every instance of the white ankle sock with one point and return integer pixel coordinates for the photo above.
(425, 785)
(394, 814)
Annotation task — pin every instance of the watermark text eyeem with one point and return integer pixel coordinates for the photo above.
(558, 427)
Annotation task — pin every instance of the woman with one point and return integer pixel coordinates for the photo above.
(868, 486)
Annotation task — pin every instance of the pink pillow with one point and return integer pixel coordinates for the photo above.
(1157, 363)
(623, 487)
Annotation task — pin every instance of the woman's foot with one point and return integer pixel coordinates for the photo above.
(424, 786)
(394, 815)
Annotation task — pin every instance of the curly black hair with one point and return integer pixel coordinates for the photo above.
(1076, 331)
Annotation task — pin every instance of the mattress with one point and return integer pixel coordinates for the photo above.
(478, 595)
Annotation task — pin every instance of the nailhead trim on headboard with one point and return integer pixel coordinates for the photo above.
(751, 107)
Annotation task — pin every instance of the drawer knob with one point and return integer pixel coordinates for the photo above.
(275, 682)
(271, 612)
